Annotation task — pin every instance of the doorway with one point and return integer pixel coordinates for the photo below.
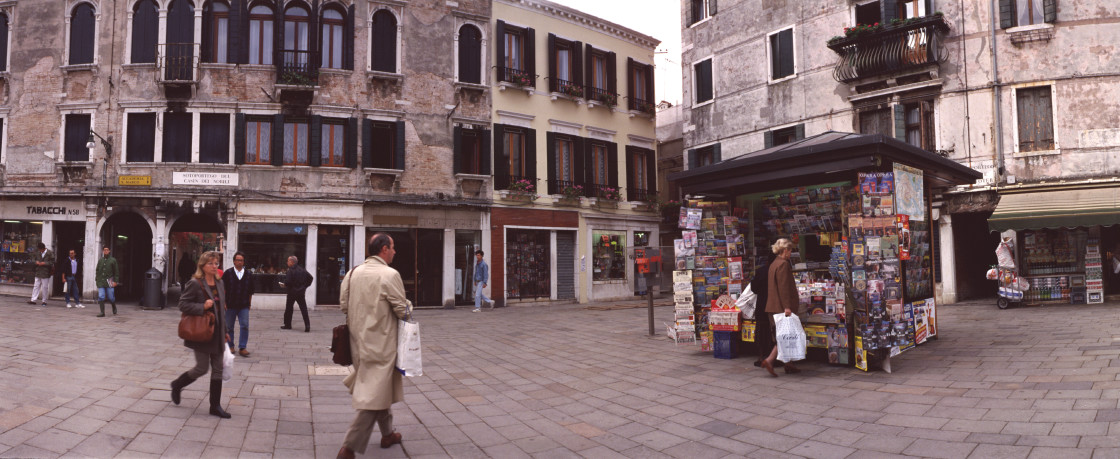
(419, 259)
(975, 252)
(466, 243)
(334, 261)
(68, 236)
(130, 241)
(191, 235)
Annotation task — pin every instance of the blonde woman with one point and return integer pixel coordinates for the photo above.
(781, 296)
(203, 293)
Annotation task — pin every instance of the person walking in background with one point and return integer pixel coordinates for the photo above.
(481, 275)
(373, 300)
(781, 292)
(72, 271)
(238, 282)
(106, 278)
(296, 282)
(44, 265)
(186, 268)
(205, 292)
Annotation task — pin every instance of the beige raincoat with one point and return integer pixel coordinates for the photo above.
(373, 300)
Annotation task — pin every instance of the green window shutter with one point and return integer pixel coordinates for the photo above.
(352, 143)
(315, 153)
(398, 144)
(1050, 10)
(768, 139)
(900, 122)
(550, 156)
(799, 131)
(239, 138)
(717, 156)
(1006, 14)
(277, 140)
(367, 143)
(457, 149)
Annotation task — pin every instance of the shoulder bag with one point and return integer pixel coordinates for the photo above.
(340, 338)
(196, 328)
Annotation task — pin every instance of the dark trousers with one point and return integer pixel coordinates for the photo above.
(764, 334)
(296, 298)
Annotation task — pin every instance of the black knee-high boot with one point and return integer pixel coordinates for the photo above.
(216, 399)
(177, 386)
(102, 304)
(114, 303)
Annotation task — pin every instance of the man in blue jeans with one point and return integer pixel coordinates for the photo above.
(72, 270)
(239, 296)
(481, 274)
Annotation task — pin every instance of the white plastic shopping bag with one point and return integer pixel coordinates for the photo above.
(408, 348)
(790, 336)
(747, 302)
(227, 364)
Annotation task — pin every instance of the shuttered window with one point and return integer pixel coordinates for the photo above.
(470, 54)
(82, 32)
(332, 25)
(515, 150)
(77, 134)
(781, 54)
(213, 138)
(703, 75)
(470, 157)
(141, 140)
(1034, 109)
(919, 124)
(3, 42)
(383, 47)
(177, 132)
(382, 149)
(1014, 13)
(261, 22)
(641, 174)
(875, 122)
(145, 27)
(700, 10)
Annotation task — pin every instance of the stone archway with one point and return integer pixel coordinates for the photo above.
(129, 238)
(190, 235)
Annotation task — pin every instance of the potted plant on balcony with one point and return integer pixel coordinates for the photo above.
(570, 195)
(608, 197)
(647, 107)
(522, 80)
(296, 78)
(571, 89)
(607, 98)
(521, 190)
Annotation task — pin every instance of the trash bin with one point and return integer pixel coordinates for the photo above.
(153, 289)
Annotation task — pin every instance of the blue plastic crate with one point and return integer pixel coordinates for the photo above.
(725, 344)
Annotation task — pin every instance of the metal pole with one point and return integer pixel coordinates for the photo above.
(649, 295)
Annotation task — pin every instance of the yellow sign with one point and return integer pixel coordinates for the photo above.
(134, 180)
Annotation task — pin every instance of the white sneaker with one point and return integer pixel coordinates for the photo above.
(475, 310)
(81, 306)
(68, 305)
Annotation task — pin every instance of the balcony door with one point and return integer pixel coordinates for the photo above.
(179, 47)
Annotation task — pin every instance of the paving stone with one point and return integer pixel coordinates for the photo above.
(988, 451)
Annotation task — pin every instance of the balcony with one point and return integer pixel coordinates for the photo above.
(178, 63)
(602, 96)
(642, 106)
(907, 45)
(568, 88)
(298, 68)
(516, 78)
(637, 194)
(603, 192)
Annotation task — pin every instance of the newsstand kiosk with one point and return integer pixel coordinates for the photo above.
(858, 209)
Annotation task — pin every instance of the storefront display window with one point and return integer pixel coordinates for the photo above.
(610, 255)
(1047, 252)
(267, 248)
(20, 240)
(527, 260)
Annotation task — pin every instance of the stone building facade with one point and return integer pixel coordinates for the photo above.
(161, 128)
(1023, 91)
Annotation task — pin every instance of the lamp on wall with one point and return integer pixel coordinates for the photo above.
(108, 144)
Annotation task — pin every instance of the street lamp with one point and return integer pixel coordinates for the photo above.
(90, 144)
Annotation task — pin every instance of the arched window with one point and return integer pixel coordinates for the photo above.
(179, 41)
(145, 27)
(296, 39)
(215, 32)
(470, 54)
(383, 46)
(82, 34)
(260, 35)
(332, 38)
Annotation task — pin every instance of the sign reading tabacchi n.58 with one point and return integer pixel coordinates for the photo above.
(204, 178)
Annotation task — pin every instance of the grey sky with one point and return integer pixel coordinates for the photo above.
(660, 19)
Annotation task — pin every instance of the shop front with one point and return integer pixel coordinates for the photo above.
(856, 207)
(58, 223)
(1065, 241)
(533, 255)
(611, 240)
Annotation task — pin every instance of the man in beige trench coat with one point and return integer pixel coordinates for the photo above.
(373, 300)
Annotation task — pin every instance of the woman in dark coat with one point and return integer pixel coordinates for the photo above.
(763, 330)
(781, 292)
(205, 293)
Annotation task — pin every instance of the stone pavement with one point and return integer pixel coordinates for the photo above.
(564, 381)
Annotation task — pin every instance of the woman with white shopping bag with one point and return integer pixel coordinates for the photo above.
(205, 294)
(781, 296)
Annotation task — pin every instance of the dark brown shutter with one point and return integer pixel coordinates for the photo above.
(384, 42)
(530, 56)
(579, 161)
(577, 63)
(717, 153)
(889, 10)
(550, 156)
(785, 49)
(651, 172)
(145, 24)
(398, 146)
(348, 41)
(531, 155)
(141, 147)
(470, 55)
(552, 62)
(768, 139)
(77, 134)
(239, 138)
(649, 96)
(500, 50)
(278, 40)
(457, 156)
(1006, 14)
(315, 152)
(82, 32)
(712, 7)
(238, 51)
(206, 54)
(314, 60)
(631, 173)
(213, 138)
(501, 158)
(612, 73)
(277, 148)
(367, 143)
(693, 163)
(630, 80)
(177, 129)
(588, 70)
(612, 164)
(3, 42)
(900, 122)
(484, 150)
(352, 143)
(799, 132)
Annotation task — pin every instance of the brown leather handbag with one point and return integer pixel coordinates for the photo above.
(340, 346)
(197, 328)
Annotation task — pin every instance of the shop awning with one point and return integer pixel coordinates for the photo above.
(821, 157)
(1056, 209)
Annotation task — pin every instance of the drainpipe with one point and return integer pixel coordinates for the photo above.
(996, 85)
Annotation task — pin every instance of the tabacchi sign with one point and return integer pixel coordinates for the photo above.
(204, 178)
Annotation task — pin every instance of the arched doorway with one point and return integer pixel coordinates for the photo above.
(190, 236)
(129, 238)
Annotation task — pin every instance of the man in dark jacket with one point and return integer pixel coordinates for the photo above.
(239, 294)
(44, 264)
(72, 271)
(296, 282)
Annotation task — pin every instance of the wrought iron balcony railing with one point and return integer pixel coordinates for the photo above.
(608, 192)
(518, 77)
(298, 67)
(566, 87)
(567, 188)
(506, 182)
(643, 106)
(887, 49)
(638, 194)
(178, 62)
(602, 95)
